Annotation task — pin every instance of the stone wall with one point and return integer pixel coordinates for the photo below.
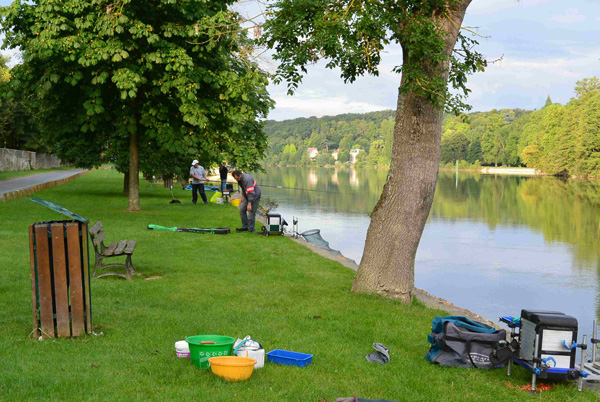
(14, 159)
(47, 161)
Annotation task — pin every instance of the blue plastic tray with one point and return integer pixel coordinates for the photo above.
(289, 358)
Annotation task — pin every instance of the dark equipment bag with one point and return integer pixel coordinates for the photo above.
(460, 342)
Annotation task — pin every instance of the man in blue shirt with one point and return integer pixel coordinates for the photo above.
(198, 175)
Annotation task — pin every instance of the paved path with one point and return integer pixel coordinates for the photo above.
(19, 183)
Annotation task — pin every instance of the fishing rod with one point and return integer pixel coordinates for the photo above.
(289, 188)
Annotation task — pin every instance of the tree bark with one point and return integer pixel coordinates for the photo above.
(134, 173)
(397, 222)
(126, 183)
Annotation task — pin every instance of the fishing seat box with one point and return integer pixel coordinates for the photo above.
(274, 224)
(553, 327)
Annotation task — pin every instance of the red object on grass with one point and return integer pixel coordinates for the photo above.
(527, 387)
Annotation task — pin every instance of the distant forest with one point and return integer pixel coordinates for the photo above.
(556, 139)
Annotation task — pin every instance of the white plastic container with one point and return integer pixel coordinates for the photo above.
(251, 349)
(258, 355)
(182, 349)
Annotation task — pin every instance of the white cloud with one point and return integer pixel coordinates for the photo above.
(525, 83)
(570, 16)
(495, 6)
(319, 105)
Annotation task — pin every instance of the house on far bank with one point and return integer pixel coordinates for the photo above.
(353, 154)
(335, 154)
(312, 152)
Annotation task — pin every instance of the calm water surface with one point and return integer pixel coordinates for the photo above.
(492, 244)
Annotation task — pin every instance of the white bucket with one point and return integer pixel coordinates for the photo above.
(182, 349)
(258, 355)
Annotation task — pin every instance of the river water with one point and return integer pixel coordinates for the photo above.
(492, 244)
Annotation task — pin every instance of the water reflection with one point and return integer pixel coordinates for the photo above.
(563, 210)
(312, 179)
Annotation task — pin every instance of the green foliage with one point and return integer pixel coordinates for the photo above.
(351, 35)
(97, 72)
(19, 128)
(492, 140)
(4, 71)
(290, 149)
(587, 86)
(331, 132)
(268, 204)
(322, 159)
(343, 156)
(531, 155)
(455, 146)
(559, 139)
(376, 152)
(361, 157)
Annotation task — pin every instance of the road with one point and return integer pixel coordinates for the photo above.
(6, 186)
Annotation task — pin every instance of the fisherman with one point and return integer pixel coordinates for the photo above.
(250, 200)
(223, 172)
(198, 175)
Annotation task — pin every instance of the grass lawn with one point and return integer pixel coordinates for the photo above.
(279, 292)
(21, 173)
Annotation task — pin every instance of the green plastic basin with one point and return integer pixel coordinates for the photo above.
(200, 353)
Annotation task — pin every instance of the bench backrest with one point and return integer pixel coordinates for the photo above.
(97, 235)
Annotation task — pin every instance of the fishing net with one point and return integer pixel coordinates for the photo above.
(313, 236)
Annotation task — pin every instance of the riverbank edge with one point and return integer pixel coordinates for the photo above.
(421, 295)
(424, 297)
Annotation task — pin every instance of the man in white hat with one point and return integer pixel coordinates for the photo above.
(198, 175)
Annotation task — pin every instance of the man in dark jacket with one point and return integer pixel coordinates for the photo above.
(223, 173)
(250, 200)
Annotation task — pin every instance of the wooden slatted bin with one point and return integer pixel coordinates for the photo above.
(60, 279)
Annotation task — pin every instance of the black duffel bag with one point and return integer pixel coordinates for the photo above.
(461, 342)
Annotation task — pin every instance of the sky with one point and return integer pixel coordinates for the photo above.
(544, 47)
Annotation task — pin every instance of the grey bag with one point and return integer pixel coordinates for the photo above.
(464, 347)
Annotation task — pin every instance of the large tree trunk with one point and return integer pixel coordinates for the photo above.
(397, 222)
(134, 174)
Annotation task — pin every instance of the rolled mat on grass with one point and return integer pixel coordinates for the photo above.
(191, 230)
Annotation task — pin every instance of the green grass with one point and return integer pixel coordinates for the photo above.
(279, 292)
(21, 173)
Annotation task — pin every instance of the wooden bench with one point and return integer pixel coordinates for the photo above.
(116, 249)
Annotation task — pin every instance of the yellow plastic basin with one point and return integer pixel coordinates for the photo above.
(232, 368)
(235, 203)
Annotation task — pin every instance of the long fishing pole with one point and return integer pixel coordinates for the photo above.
(288, 188)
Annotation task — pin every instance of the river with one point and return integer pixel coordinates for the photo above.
(492, 244)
